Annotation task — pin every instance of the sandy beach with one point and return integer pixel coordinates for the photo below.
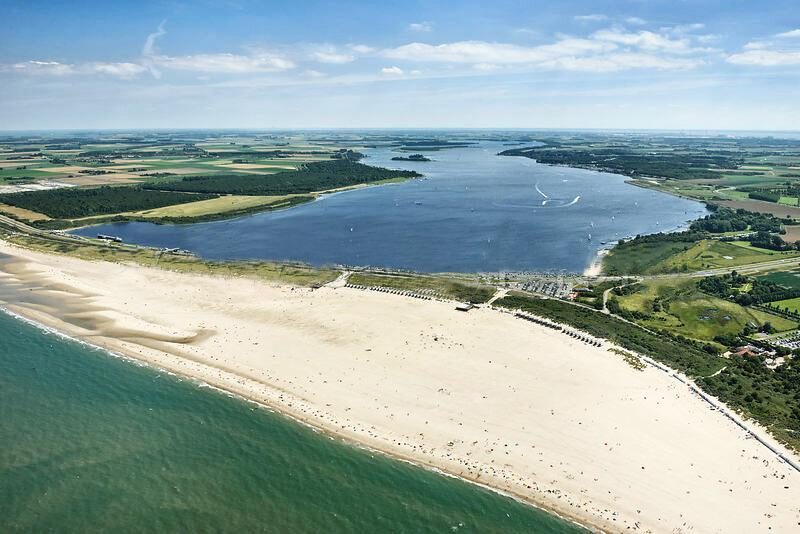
(481, 395)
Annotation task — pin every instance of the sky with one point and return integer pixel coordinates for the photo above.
(641, 64)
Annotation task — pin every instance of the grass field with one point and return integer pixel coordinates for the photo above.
(221, 205)
(22, 213)
(641, 258)
(687, 311)
(468, 291)
(792, 305)
(712, 254)
(675, 257)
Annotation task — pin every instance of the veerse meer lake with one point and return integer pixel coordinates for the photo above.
(473, 212)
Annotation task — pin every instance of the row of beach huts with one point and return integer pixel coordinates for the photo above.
(423, 294)
(580, 336)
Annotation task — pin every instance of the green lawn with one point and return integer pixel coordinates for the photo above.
(712, 254)
(641, 258)
(793, 305)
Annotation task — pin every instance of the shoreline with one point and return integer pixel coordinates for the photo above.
(131, 359)
(192, 354)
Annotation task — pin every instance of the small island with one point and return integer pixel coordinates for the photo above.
(412, 157)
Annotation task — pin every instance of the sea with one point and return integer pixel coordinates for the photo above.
(90, 442)
(474, 211)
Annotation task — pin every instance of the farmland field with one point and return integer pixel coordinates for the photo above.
(792, 305)
(220, 205)
(790, 279)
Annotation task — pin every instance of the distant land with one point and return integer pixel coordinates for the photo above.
(667, 318)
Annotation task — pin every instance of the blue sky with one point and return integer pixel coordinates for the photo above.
(495, 64)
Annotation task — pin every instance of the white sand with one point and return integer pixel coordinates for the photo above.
(481, 394)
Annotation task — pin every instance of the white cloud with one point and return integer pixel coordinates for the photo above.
(332, 57)
(121, 70)
(635, 21)
(765, 58)
(595, 17)
(792, 34)
(422, 27)
(47, 68)
(623, 61)
(361, 49)
(392, 71)
(605, 50)
(645, 40)
(54, 68)
(681, 29)
(782, 51)
(528, 32)
(225, 63)
(493, 53)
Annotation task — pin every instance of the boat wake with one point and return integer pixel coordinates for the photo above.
(541, 192)
(548, 203)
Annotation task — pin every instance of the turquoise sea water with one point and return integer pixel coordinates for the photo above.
(89, 442)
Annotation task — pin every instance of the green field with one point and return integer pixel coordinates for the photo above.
(713, 254)
(676, 257)
(220, 205)
(463, 290)
(792, 305)
(680, 308)
(641, 258)
(790, 279)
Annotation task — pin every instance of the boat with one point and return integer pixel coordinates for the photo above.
(114, 238)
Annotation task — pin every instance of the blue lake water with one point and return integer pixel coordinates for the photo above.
(473, 212)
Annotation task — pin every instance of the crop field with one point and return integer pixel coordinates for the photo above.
(760, 206)
(790, 279)
(35, 167)
(792, 305)
(220, 205)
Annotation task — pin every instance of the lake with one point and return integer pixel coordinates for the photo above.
(473, 212)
